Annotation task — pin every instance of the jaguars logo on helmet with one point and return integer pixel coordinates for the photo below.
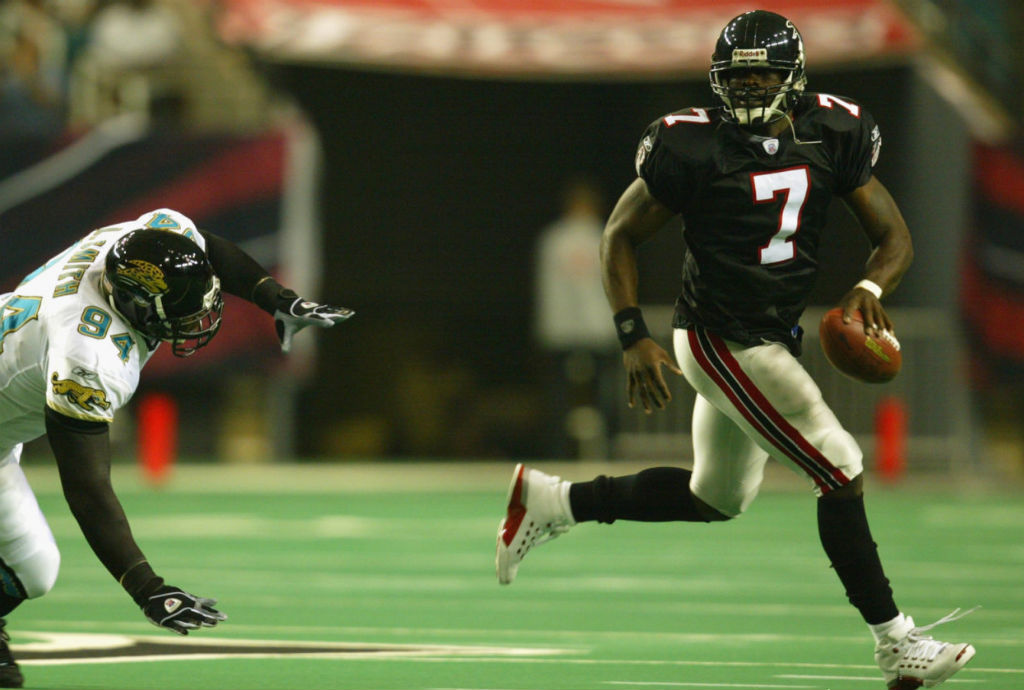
(146, 275)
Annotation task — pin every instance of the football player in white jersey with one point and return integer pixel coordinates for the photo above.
(74, 336)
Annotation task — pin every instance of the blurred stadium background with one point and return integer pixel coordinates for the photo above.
(404, 157)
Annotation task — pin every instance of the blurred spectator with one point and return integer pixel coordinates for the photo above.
(573, 325)
(33, 50)
(132, 60)
(134, 35)
(76, 17)
(163, 59)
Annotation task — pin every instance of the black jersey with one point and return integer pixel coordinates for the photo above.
(754, 209)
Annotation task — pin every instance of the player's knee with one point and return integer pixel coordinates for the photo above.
(709, 513)
(717, 504)
(841, 451)
(38, 572)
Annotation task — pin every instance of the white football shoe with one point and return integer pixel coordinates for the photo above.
(538, 511)
(916, 659)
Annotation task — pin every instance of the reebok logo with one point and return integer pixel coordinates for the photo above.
(172, 604)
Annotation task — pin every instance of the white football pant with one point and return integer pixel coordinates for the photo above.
(754, 403)
(28, 550)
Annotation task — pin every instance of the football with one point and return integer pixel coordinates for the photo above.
(854, 353)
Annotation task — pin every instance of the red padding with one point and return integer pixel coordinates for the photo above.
(891, 437)
(157, 435)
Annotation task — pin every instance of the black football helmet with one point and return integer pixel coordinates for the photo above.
(759, 40)
(164, 285)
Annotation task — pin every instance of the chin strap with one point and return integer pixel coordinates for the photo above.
(796, 140)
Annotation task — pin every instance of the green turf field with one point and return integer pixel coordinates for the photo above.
(365, 577)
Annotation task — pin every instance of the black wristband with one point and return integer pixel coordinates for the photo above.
(630, 327)
(140, 582)
(264, 295)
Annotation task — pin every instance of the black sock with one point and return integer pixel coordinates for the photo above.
(659, 494)
(8, 603)
(12, 593)
(844, 531)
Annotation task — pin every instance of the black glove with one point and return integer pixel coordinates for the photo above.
(177, 610)
(292, 314)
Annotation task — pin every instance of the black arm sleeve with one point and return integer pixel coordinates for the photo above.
(82, 450)
(240, 274)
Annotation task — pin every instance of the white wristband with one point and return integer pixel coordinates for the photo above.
(871, 287)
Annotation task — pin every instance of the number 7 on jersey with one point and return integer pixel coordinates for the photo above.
(794, 183)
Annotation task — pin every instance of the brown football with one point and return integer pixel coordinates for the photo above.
(859, 356)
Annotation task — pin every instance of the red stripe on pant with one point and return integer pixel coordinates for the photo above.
(813, 454)
(756, 402)
(698, 352)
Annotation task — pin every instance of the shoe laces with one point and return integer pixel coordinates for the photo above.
(926, 647)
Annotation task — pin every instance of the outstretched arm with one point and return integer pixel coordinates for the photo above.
(82, 450)
(890, 258)
(636, 218)
(242, 276)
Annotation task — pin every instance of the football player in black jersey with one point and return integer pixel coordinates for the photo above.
(752, 179)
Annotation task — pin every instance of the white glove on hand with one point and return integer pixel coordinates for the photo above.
(293, 314)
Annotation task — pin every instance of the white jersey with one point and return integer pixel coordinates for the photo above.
(62, 344)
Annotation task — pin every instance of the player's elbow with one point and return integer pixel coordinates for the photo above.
(908, 252)
(898, 242)
(614, 240)
(904, 256)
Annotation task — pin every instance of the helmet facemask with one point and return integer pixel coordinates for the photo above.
(754, 106)
(190, 332)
